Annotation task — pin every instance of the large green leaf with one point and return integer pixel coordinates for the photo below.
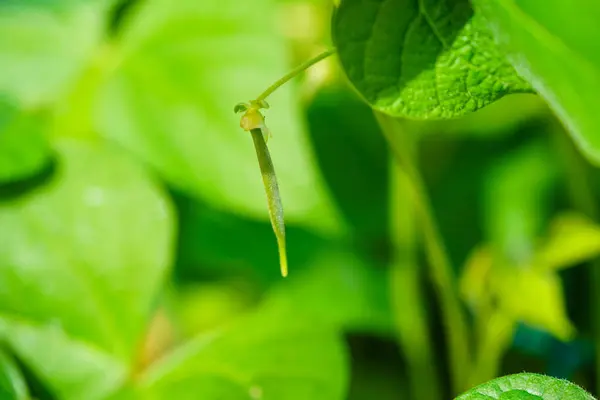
(23, 148)
(505, 117)
(171, 102)
(421, 58)
(44, 45)
(526, 387)
(554, 44)
(12, 383)
(270, 354)
(82, 259)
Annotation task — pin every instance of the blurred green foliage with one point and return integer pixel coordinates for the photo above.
(137, 260)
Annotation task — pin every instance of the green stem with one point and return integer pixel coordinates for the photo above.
(275, 207)
(410, 312)
(495, 332)
(457, 331)
(300, 68)
(582, 197)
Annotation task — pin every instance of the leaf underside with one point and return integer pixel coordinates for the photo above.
(421, 59)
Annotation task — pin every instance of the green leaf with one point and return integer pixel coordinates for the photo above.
(531, 291)
(526, 387)
(23, 147)
(421, 59)
(270, 354)
(573, 239)
(553, 44)
(500, 119)
(12, 383)
(83, 258)
(534, 297)
(170, 102)
(72, 368)
(44, 45)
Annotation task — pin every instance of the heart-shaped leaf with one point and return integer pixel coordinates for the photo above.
(82, 260)
(421, 59)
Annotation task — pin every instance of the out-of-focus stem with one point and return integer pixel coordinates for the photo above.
(494, 335)
(455, 323)
(410, 312)
(582, 197)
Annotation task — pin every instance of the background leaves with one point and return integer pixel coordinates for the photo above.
(183, 124)
(273, 353)
(84, 258)
(60, 36)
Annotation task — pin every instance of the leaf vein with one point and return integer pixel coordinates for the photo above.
(436, 33)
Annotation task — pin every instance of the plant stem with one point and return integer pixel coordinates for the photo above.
(582, 197)
(411, 321)
(455, 323)
(300, 68)
(494, 336)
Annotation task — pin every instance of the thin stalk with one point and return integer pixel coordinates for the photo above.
(273, 197)
(299, 69)
(582, 197)
(455, 322)
(408, 303)
(495, 332)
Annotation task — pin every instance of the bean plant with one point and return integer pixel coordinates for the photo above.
(430, 226)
